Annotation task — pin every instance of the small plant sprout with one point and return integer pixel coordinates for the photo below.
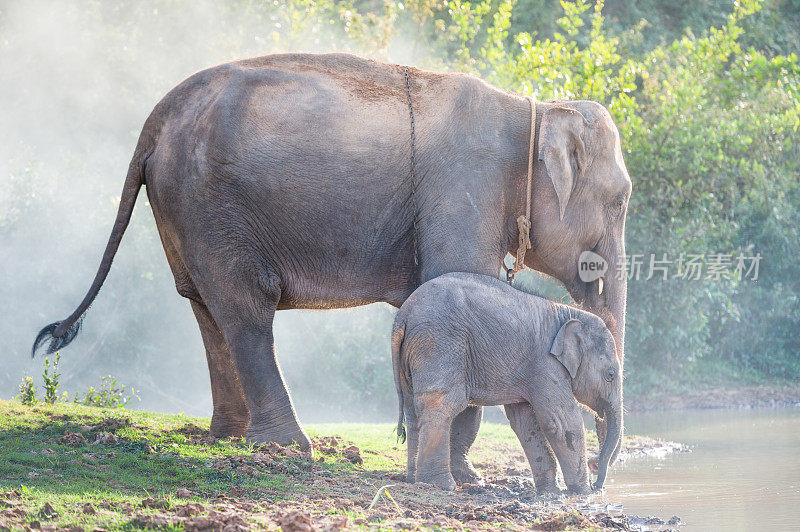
(27, 391)
(51, 378)
(110, 394)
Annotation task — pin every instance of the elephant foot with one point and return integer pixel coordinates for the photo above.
(464, 472)
(444, 482)
(284, 437)
(547, 487)
(229, 426)
(580, 489)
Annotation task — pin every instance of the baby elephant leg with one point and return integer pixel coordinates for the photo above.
(412, 435)
(462, 436)
(537, 450)
(565, 432)
(435, 411)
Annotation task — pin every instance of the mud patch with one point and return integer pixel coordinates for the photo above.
(73, 438)
(266, 459)
(194, 433)
(11, 513)
(334, 446)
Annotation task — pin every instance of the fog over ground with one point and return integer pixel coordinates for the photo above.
(78, 81)
(79, 78)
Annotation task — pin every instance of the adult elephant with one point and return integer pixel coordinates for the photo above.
(284, 182)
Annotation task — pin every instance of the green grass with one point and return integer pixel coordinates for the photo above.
(155, 455)
(153, 458)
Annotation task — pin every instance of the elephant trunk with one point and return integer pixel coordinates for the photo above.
(601, 427)
(613, 417)
(610, 305)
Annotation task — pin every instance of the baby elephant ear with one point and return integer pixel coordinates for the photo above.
(565, 347)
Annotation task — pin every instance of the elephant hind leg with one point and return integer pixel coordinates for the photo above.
(231, 416)
(244, 309)
(412, 432)
(436, 411)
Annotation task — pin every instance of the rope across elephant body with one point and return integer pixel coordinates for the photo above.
(523, 221)
(413, 157)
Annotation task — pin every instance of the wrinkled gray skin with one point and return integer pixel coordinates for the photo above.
(283, 182)
(464, 339)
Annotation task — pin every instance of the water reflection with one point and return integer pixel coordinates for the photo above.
(743, 472)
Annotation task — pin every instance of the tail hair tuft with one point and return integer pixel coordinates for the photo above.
(56, 343)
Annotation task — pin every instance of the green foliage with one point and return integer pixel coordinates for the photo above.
(51, 380)
(27, 391)
(109, 395)
(708, 127)
(714, 158)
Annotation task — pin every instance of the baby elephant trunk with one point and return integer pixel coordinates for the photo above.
(600, 427)
(613, 417)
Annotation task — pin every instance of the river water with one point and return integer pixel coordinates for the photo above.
(743, 472)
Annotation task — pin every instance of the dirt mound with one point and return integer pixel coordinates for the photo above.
(191, 429)
(334, 445)
(12, 516)
(72, 438)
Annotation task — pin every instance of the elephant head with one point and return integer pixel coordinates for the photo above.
(587, 350)
(581, 189)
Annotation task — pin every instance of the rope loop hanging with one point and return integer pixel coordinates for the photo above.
(524, 221)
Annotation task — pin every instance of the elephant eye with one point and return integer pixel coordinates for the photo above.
(610, 374)
(619, 206)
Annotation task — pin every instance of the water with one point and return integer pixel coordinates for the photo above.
(743, 472)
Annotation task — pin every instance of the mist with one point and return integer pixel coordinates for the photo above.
(78, 81)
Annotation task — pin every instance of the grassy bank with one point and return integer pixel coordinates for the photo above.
(712, 384)
(74, 466)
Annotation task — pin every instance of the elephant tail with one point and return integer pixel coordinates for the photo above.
(397, 344)
(61, 333)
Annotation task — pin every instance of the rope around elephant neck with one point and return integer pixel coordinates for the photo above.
(524, 221)
(413, 156)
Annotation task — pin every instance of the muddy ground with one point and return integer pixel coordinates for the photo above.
(383, 500)
(232, 486)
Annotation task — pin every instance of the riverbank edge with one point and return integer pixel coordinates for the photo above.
(718, 397)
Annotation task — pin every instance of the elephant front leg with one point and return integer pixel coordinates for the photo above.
(537, 450)
(565, 433)
(230, 417)
(441, 252)
(463, 432)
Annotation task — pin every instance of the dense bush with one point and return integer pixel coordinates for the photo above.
(705, 95)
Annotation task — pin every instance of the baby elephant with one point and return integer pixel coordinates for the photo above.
(463, 339)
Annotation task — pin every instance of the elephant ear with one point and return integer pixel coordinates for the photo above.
(565, 346)
(562, 149)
